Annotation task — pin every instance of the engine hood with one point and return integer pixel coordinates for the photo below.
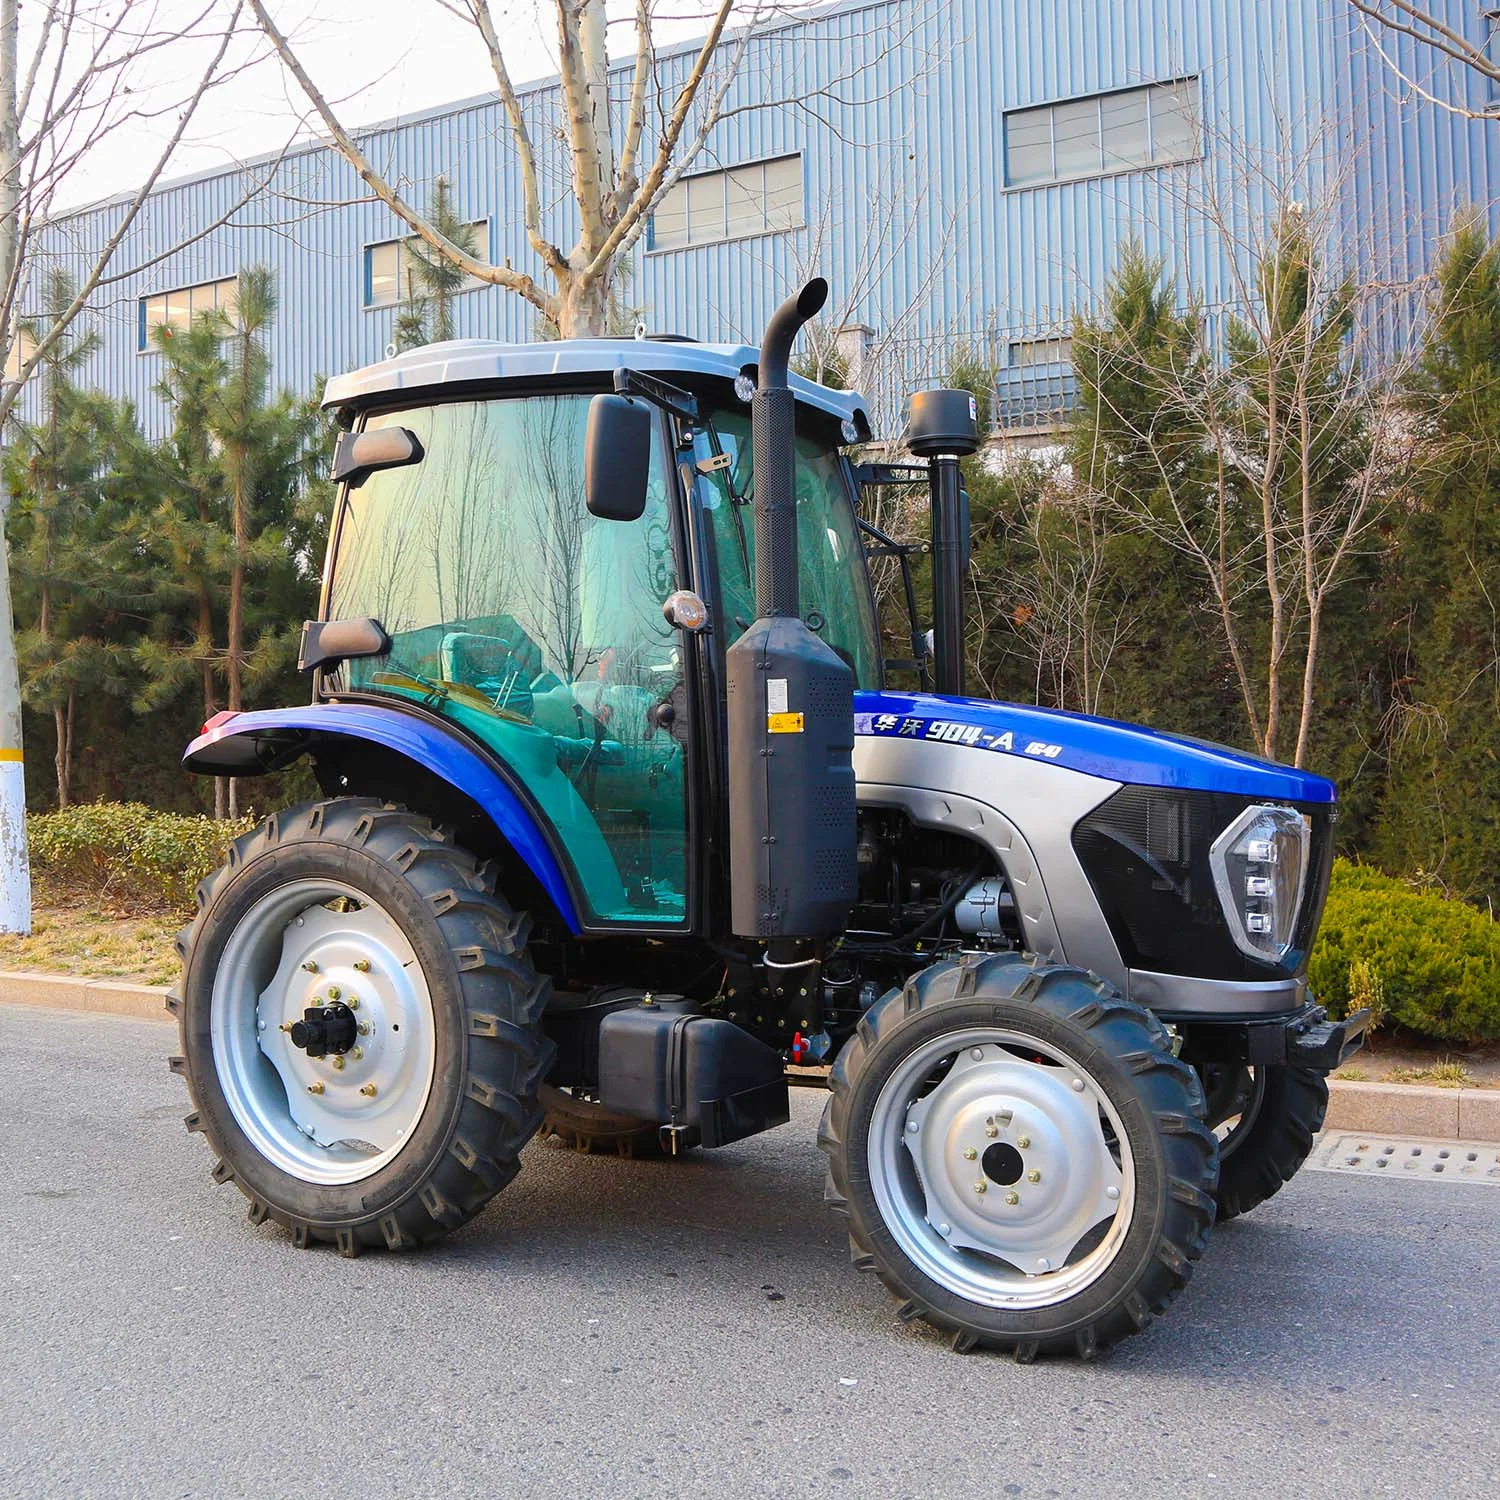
(1097, 747)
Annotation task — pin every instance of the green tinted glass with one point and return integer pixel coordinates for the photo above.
(535, 626)
(831, 562)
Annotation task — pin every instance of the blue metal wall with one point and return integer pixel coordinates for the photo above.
(907, 209)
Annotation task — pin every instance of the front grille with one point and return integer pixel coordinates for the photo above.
(1146, 854)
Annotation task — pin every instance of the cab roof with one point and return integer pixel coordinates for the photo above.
(484, 361)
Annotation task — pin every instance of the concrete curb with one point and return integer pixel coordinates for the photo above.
(111, 997)
(1378, 1108)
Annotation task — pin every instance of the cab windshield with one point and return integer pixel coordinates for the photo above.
(836, 598)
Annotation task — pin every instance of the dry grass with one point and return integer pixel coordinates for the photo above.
(1446, 1074)
(77, 938)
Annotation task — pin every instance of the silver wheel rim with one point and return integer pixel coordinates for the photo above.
(323, 1120)
(1057, 1198)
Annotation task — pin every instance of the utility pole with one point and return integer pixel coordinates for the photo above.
(15, 863)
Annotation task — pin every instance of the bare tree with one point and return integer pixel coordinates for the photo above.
(78, 79)
(1386, 20)
(617, 171)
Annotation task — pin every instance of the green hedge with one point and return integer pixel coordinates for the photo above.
(1427, 962)
(131, 856)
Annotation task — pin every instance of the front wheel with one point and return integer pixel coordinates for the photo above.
(1022, 1160)
(1265, 1118)
(360, 1026)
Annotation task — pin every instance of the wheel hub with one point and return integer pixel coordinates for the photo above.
(331, 1029)
(996, 1122)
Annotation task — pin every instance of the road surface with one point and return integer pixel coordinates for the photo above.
(611, 1328)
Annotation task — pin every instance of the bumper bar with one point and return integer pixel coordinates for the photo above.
(1305, 1039)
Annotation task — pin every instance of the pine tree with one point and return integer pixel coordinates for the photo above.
(236, 534)
(1441, 815)
(432, 280)
(64, 541)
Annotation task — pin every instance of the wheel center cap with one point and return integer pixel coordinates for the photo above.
(1002, 1163)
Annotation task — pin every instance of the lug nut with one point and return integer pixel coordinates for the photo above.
(311, 966)
(1023, 1141)
(981, 1186)
(286, 1026)
(364, 1028)
(362, 964)
(992, 1130)
(1033, 1176)
(977, 1053)
(970, 1153)
(333, 992)
(368, 1090)
(1012, 1198)
(338, 1063)
(352, 1002)
(315, 1088)
(317, 1001)
(359, 1052)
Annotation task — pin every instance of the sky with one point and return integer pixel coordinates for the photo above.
(374, 59)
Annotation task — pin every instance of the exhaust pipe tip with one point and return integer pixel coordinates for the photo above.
(786, 322)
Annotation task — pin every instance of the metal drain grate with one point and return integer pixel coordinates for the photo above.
(1406, 1157)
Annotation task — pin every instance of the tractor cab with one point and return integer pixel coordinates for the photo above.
(556, 633)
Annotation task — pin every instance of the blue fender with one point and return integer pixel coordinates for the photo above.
(252, 743)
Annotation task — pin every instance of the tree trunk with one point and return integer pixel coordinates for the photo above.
(583, 311)
(62, 720)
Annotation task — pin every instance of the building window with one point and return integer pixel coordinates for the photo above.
(387, 265)
(22, 347)
(761, 197)
(177, 309)
(1027, 353)
(1490, 16)
(1115, 132)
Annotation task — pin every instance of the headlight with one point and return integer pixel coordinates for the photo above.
(1260, 868)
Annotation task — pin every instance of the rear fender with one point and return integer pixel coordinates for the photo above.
(253, 744)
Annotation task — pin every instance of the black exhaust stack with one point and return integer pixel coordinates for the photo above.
(942, 427)
(791, 704)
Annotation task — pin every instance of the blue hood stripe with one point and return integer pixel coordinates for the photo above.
(1096, 747)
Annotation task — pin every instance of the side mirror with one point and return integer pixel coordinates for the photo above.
(617, 458)
(325, 643)
(357, 455)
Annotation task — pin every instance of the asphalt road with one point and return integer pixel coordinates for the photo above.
(619, 1328)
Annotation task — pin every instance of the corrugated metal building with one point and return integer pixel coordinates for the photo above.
(961, 170)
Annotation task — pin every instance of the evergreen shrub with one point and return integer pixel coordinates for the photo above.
(131, 857)
(1433, 962)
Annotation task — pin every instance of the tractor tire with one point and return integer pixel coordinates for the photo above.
(1021, 1159)
(587, 1126)
(403, 1108)
(1271, 1115)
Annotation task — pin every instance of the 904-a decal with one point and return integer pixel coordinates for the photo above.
(949, 733)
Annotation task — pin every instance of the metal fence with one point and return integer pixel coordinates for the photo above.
(1030, 371)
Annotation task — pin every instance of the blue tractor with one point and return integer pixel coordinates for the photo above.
(620, 820)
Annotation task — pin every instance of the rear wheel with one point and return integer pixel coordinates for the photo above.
(1265, 1119)
(360, 1026)
(1021, 1159)
(585, 1124)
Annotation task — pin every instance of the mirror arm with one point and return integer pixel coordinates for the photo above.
(671, 398)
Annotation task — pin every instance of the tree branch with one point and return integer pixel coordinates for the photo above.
(513, 280)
